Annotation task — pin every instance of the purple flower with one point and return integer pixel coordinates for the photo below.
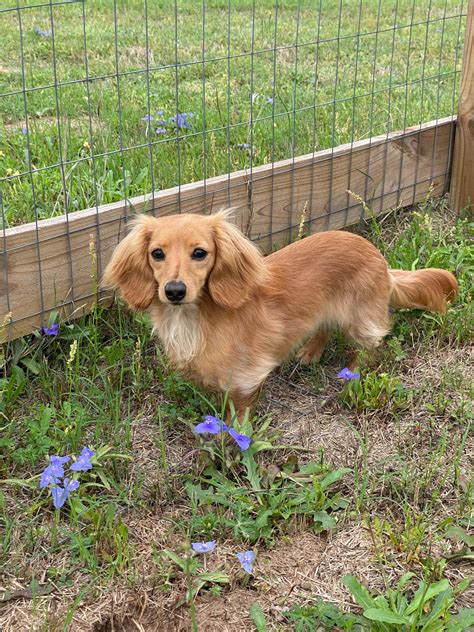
(180, 120)
(24, 130)
(83, 461)
(160, 130)
(242, 440)
(50, 476)
(58, 461)
(42, 33)
(347, 374)
(55, 471)
(270, 100)
(148, 118)
(210, 425)
(203, 547)
(51, 331)
(61, 494)
(247, 559)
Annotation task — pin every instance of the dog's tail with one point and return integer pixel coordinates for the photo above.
(423, 289)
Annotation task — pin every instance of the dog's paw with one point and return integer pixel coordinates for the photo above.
(306, 355)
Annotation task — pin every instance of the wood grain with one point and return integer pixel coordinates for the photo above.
(462, 179)
(57, 263)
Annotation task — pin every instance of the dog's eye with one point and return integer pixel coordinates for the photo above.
(158, 254)
(199, 253)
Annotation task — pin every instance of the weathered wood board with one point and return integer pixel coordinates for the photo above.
(462, 182)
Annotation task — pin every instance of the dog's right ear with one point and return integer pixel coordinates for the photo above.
(129, 270)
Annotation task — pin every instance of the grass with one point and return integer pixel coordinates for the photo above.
(370, 478)
(358, 70)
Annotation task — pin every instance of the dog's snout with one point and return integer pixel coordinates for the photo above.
(175, 291)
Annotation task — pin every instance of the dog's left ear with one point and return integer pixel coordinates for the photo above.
(239, 266)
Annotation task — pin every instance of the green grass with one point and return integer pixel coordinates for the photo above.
(345, 88)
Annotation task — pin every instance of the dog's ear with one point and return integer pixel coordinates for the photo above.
(239, 266)
(129, 270)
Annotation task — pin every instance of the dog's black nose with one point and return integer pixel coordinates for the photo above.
(175, 291)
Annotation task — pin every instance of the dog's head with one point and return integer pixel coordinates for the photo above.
(175, 258)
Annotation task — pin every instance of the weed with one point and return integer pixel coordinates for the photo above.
(429, 609)
(375, 391)
(321, 615)
(255, 503)
(196, 577)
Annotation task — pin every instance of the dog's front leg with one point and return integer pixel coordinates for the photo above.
(240, 404)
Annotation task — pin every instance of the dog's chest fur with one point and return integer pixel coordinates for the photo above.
(179, 329)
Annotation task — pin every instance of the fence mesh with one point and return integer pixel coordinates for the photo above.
(110, 100)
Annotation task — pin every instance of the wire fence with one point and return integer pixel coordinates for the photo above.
(115, 101)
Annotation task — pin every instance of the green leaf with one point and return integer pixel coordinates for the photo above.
(358, 591)
(175, 558)
(403, 581)
(440, 607)
(258, 617)
(334, 476)
(463, 620)
(104, 479)
(457, 534)
(385, 616)
(252, 471)
(423, 594)
(214, 577)
(31, 365)
(258, 446)
(462, 586)
(326, 521)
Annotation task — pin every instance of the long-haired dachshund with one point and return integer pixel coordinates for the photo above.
(227, 316)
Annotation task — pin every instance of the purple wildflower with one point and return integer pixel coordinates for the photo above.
(51, 331)
(61, 494)
(58, 461)
(24, 130)
(160, 130)
(39, 31)
(247, 559)
(242, 440)
(180, 121)
(49, 476)
(270, 100)
(347, 374)
(83, 463)
(55, 471)
(148, 118)
(203, 547)
(210, 425)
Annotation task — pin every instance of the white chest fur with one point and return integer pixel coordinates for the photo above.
(180, 332)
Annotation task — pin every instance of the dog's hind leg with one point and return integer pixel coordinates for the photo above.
(313, 349)
(368, 330)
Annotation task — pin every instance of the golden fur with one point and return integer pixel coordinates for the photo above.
(243, 313)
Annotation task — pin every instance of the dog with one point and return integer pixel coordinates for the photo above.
(227, 316)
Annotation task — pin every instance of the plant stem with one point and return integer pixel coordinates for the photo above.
(54, 534)
(192, 607)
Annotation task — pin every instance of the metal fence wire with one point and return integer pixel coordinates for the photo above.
(293, 111)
